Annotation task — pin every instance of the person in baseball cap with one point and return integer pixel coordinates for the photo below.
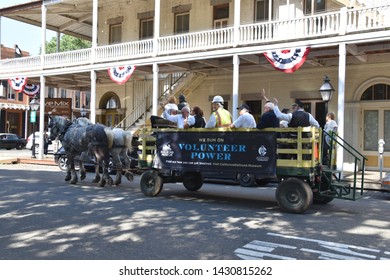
(245, 120)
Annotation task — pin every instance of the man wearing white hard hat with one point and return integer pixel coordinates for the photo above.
(220, 116)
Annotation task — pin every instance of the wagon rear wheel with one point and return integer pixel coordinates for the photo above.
(151, 183)
(192, 181)
(294, 195)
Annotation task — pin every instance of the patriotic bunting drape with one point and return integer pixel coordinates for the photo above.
(31, 89)
(121, 74)
(18, 84)
(287, 60)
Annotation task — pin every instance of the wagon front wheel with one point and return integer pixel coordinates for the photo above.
(192, 181)
(151, 183)
(294, 195)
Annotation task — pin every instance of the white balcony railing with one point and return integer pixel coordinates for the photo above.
(326, 25)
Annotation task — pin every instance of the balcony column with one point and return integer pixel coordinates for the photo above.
(156, 28)
(92, 115)
(237, 20)
(42, 102)
(94, 29)
(155, 89)
(341, 102)
(236, 85)
(43, 39)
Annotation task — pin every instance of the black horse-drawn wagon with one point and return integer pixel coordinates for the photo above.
(290, 156)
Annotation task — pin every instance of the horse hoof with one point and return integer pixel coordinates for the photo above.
(82, 176)
(73, 182)
(67, 178)
(129, 176)
(110, 182)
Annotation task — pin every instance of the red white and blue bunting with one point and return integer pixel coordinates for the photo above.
(31, 89)
(287, 60)
(121, 74)
(18, 84)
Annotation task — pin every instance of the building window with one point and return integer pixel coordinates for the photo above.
(376, 92)
(115, 34)
(63, 93)
(77, 99)
(221, 16)
(112, 103)
(182, 23)
(10, 94)
(314, 6)
(20, 96)
(87, 100)
(147, 28)
(50, 93)
(261, 10)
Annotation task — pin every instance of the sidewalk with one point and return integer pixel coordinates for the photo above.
(49, 160)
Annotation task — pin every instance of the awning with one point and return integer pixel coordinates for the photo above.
(14, 106)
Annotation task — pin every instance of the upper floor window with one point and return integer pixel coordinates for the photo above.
(182, 23)
(221, 16)
(50, 93)
(63, 93)
(20, 96)
(261, 10)
(77, 103)
(115, 33)
(314, 6)
(377, 92)
(147, 28)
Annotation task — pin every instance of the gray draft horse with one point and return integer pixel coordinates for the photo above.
(76, 138)
(121, 147)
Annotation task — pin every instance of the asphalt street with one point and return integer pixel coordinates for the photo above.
(44, 217)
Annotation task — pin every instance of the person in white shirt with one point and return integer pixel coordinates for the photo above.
(183, 120)
(245, 120)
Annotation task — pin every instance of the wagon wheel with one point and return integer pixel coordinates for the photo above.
(246, 179)
(151, 183)
(294, 195)
(192, 181)
(62, 163)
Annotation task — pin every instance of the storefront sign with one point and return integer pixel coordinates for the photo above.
(58, 106)
(234, 151)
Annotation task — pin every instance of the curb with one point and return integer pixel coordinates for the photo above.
(28, 161)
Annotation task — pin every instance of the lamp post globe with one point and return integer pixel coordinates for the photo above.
(326, 91)
(34, 106)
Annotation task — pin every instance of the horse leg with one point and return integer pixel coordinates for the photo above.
(83, 174)
(129, 175)
(118, 167)
(68, 175)
(74, 178)
(97, 178)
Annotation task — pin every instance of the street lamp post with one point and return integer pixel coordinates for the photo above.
(34, 106)
(326, 91)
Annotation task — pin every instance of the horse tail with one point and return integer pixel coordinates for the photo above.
(129, 140)
(110, 137)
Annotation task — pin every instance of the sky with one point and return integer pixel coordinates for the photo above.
(11, 31)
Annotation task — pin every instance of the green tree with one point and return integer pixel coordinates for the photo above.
(67, 43)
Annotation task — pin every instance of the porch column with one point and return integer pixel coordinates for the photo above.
(92, 115)
(237, 20)
(341, 104)
(155, 89)
(236, 85)
(41, 115)
(156, 27)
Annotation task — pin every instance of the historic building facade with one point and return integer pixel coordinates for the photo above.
(207, 47)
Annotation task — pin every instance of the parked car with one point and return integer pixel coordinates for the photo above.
(10, 141)
(53, 146)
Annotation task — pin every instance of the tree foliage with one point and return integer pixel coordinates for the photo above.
(67, 43)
